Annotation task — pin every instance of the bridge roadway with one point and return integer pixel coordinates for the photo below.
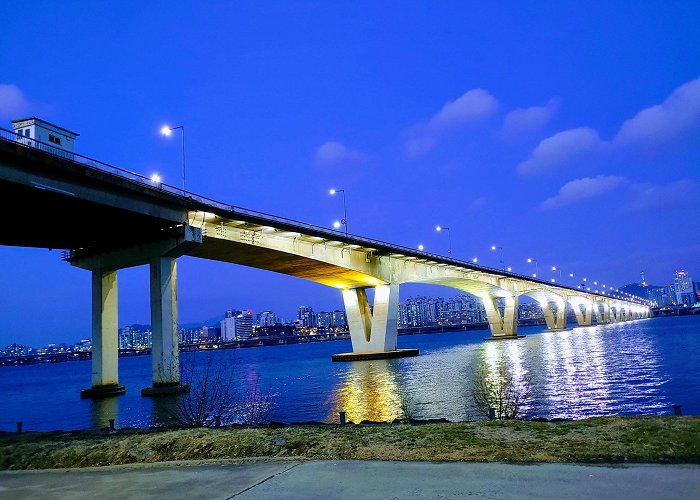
(108, 219)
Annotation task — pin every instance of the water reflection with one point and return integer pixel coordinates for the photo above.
(631, 368)
(101, 410)
(369, 391)
(575, 373)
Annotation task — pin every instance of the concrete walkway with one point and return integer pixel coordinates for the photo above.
(357, 480)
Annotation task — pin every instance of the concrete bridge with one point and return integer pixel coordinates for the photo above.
(109, 219)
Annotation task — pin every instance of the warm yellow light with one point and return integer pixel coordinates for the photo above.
(166, 130)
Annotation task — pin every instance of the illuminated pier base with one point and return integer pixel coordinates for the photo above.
(373, 332)
(502, 326)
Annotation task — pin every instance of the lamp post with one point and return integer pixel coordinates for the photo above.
(555, 269)
(449, 237)
(167, 131)
(344, 220)
(494, 248)
(530, 261)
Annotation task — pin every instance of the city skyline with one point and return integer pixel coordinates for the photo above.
(576, 153)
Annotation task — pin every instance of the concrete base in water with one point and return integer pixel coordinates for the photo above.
(102, 391)
(505, 337)
(365, 356)
(164, 390)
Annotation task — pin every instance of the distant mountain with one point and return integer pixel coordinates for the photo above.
(210, 322)
(638, 290)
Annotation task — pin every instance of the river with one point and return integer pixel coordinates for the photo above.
(640, 367)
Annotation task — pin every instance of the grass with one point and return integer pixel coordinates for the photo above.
(605, 439)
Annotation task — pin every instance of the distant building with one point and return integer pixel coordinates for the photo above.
(237, 325)
(43, 131)
(211, 333)
(427, 311)
(339, 319)
(306, 317)
(266, 318)
(685, 288)
(135, 337)
(323, 319)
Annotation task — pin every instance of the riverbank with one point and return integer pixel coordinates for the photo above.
(595, 440)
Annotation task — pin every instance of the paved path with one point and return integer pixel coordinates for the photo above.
(357, 480)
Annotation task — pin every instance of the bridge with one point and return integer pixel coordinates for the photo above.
(108, 218)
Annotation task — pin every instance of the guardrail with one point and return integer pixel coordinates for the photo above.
(187, 196)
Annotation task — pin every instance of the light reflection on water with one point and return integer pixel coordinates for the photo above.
(638, 367)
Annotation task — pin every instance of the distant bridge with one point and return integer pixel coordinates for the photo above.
(108, 219)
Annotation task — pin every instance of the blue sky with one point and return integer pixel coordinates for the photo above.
(562, 131)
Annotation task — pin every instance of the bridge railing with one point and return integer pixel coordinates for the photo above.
(10, 136)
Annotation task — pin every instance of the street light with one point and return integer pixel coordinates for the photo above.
(421, 247)
(537, 271)
(494, 248)
(167, 131)
(555, 269)
(344, 220)
(475, 260)
(449, 237)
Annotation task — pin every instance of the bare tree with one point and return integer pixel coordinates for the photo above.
(501, 391)
(255, 407)
(216, 396)
(212, 391)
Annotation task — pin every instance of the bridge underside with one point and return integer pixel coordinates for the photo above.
(270, 259)
(60, 221)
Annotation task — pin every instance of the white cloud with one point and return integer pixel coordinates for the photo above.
(12, 102)
(332, 153)
(561, 148)
(647, 196)
(471, 107)
(478, 202)
(524, 120)
(677, 114)
(583, 189)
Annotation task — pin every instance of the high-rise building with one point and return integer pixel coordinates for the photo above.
(236, 325)
(339, 319)
(324, 319)
(306, 316)
(266, 318)
(685, 288)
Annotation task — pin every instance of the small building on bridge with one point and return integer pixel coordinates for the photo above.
(43, 131)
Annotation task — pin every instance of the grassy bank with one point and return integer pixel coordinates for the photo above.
(609, 439)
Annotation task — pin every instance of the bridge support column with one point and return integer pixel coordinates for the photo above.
(555, 321)
(504, 325)
(373, 332)
(165, 362)
(602, 318)
(585, 317)
(105, 337)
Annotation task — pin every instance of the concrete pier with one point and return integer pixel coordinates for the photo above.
(105, 347)
(165, 359)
